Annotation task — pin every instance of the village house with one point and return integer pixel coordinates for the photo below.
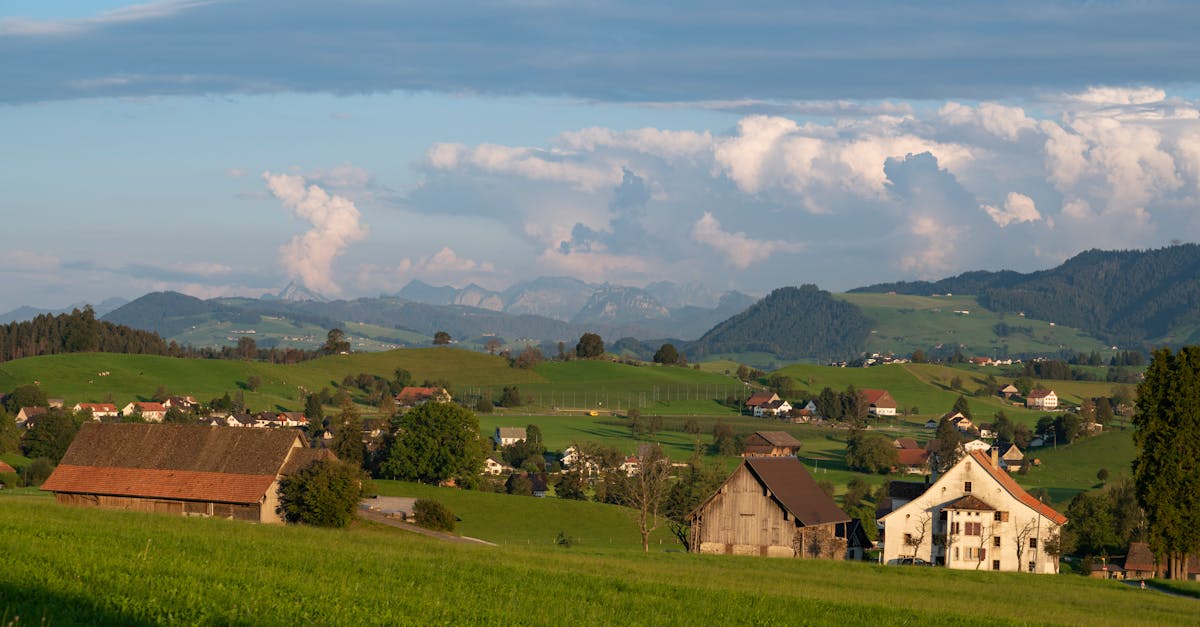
(508, 435)
(1012, 458)
(27, 416)
(771, 506)
(182, 403)
(292, 419)
(56, 403)
(976, 446)
(760, 398)
(879, 402)
(903, 443)
(414, 396)
(974, 517)
(493, 466)
(1008, 391)
(151, 412)
(1041, 399)
(912, 461)
(770, 444)
(189, 470)
(773, 409)
(99, 410)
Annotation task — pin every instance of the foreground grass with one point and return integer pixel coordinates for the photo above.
(65, 565)
(1186, 588)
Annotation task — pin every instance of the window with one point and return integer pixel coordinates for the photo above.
(967, 487)
(956, 553)
(974, 529)
(954, 528)
(996, 541)
(1032, 566)
(995, 564)
(973, 554)
(996, 517)
(908, 538)
(1033, 543)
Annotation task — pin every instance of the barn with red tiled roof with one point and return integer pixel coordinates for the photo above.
(879, 402)
(192, 470)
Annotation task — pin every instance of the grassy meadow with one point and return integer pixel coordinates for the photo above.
(65, 566)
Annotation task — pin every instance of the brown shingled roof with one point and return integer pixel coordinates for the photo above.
(794, 489)
(778, 438)
(970, 502)
(878, 398)
(1139, 557)
(1017, 491)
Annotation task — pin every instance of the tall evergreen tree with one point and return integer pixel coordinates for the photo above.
(1167, 468)
(949, 446)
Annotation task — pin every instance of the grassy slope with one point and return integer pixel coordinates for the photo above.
(129, 568)
(75, 377)
(904, 323)
(1068, 470)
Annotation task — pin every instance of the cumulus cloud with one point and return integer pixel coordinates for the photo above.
(1017, 208)
(737, 248)
(335, 225)
(538, 165)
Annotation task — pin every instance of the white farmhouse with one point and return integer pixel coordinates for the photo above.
(975, 517)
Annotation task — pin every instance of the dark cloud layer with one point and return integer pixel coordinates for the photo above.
(611, 51)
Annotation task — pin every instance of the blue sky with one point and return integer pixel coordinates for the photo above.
(226, 147)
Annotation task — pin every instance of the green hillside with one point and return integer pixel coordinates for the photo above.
(904, 322)
(106, 567)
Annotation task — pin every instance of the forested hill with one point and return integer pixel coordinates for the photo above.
(792, 323)
(76, 332)
(1128, 296)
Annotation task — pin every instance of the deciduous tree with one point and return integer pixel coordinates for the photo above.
(435, 442)
(323, 494)
(590, 346)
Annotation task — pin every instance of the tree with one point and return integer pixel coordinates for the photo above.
(724, 442)
(918, 357)
(160, 394)
(870, 453)
(347, 440)
(435, 442)
(695, 484)
(1102, 475)
(324, 494)
(962, 406)
(691, 427)
(247, 348)
(315, 412)
(646, 491)
(484, 405)
(666, 354)
(590, 346)
(253, 383)
(433, 515)
(518, 484)
(1166, 471)
(25, 396)
(441, 338)
(335, 343)
(10, 433)
(402, 377)
(949, 446)
(528, 358)
(956, 383)
(50, 435)
(177, 416)
(510, 397)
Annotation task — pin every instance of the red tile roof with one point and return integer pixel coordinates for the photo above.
(149, 406)
(758, 398)
(878, 398)
(5, 468)
(912, 457)
(413, 394)
(1008, 483)
(1039, 393)
(166, 484)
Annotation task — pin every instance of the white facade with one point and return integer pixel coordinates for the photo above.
(974, 517)
(1049, 401)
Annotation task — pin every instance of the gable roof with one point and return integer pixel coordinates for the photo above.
(778, 438)
(5, 468)
(511, 432)
(878, 398)
(758, 398)
(1008, 483)
(970, 502)
(149, 406)
(109, 407)
(412, 394)
(912, 457)
(1040, 393)
(904, 443)
(1139, 557)
(794, 489)
(190, 462)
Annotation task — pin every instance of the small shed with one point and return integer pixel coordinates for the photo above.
(770, 444)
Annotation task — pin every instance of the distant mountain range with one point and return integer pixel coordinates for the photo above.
(29, 313)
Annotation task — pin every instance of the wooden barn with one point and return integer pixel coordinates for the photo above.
(770, 444)
(771, 506)
(189, 470)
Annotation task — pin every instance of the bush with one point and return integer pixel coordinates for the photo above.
(10, 480)
(38, 471)
(323, 494)
(433, 515)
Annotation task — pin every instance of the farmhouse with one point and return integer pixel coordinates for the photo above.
(770, 444)
(1041, 399)
(150, 412)
(28, 416)
(1012, 459)
(509, 435)
(879, 402)
(770, 506)
(1008, 390)
(759, 399)
(774, 408)
(414, 396)
(913, 461)
(974, 517)
(190, 470)
(493, 466)
(99, 410)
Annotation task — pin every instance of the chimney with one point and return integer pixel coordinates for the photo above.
(995, 457)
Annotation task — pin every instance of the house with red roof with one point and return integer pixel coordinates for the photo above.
(913, 461)
(150, 411)
(99, 410)
(1041, 399)
(982, 518)
(414, 396)
(186, 470)
(879, 402)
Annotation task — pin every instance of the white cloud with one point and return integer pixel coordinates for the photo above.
(529, 163)
(335, 221)
(1118, 96)
(1017, 208)
(933, 248)
(445, 266)
(738, 248)
(1002, 121)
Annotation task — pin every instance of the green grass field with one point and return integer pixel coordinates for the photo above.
(1068, 470)
(905, 322)
(69, 566)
